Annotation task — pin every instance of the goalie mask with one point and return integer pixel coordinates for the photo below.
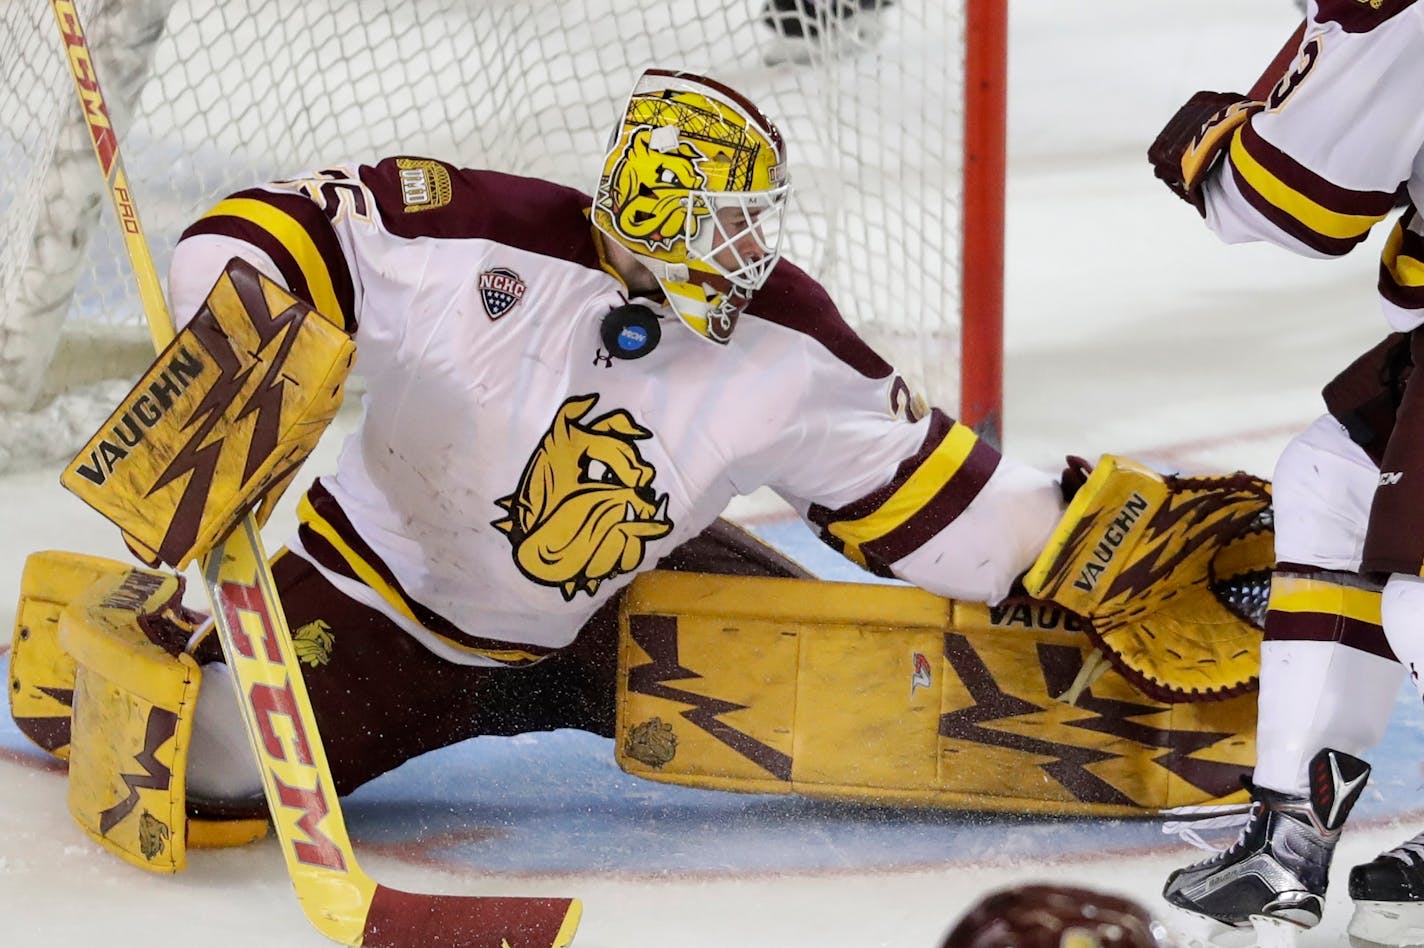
(694, 185)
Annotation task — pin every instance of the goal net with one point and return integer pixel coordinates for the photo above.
(211, 98)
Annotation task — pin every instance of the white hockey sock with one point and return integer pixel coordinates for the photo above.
(1402, 613)
(221, 765)
(1316, 695)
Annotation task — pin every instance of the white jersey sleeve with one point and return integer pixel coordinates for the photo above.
(922, 499)
(1339, 145)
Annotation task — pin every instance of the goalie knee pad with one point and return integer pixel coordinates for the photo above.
(133, 717)
(41, 672)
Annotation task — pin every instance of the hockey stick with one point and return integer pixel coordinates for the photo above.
(340, 900)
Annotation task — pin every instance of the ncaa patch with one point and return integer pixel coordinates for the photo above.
(500, 290)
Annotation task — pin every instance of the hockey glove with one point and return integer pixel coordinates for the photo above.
(1171, 574)
(1187, 148)
(220, 422)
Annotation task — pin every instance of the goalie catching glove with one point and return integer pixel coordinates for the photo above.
(1157, 565)
(219, 423)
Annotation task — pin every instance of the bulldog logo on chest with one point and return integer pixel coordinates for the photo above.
(585, 508)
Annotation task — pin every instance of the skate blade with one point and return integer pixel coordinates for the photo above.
(1387, 925)
(1200, 931)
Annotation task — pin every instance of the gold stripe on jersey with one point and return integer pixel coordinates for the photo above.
(922, 486)
(1329, 229)
(1402, 265)
(1304, 594)
(290, 233)
(372, 577)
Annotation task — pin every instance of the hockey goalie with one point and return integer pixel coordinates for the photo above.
(562, 393)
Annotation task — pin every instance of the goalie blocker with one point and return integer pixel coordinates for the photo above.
(219, 423)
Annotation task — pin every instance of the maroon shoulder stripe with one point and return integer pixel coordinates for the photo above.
(1359, 16)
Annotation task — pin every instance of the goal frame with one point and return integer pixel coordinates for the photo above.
(981, 356)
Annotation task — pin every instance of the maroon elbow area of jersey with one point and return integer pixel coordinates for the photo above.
(1403, 253)
(314, 225)
(1324, 216)
(939, 506)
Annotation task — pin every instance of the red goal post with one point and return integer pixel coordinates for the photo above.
(893, 111)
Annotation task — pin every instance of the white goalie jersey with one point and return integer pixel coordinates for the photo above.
(1339, 145)
(510, 473)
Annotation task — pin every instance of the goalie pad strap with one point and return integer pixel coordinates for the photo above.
(220, 421)
(890, 695)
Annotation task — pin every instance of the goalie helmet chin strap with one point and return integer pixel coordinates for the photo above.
(630, 331)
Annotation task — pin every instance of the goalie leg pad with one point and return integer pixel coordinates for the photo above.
(891, 695)
(133, 711)
(219, 423)
(134, 696)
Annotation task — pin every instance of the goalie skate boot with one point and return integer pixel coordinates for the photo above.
(1389, 898)
(1274, 876)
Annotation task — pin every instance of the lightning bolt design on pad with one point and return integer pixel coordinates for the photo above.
(657, 635)
(155, 776)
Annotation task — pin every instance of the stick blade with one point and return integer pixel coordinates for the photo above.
(399, 919)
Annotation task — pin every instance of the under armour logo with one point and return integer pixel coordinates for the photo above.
(1390, 478)
(603, 357)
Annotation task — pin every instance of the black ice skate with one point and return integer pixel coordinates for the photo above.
(1273, 877)
(1389, 898)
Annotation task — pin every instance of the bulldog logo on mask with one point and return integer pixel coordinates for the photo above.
(649, 190)
(585, 508)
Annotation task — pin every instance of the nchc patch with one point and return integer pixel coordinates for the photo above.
(500, 290)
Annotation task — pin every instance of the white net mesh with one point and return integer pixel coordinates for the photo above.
(210, 98)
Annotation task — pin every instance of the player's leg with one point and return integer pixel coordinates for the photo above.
(576, 687)
(1327, 685)
(381, 698)
(1389, 891)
